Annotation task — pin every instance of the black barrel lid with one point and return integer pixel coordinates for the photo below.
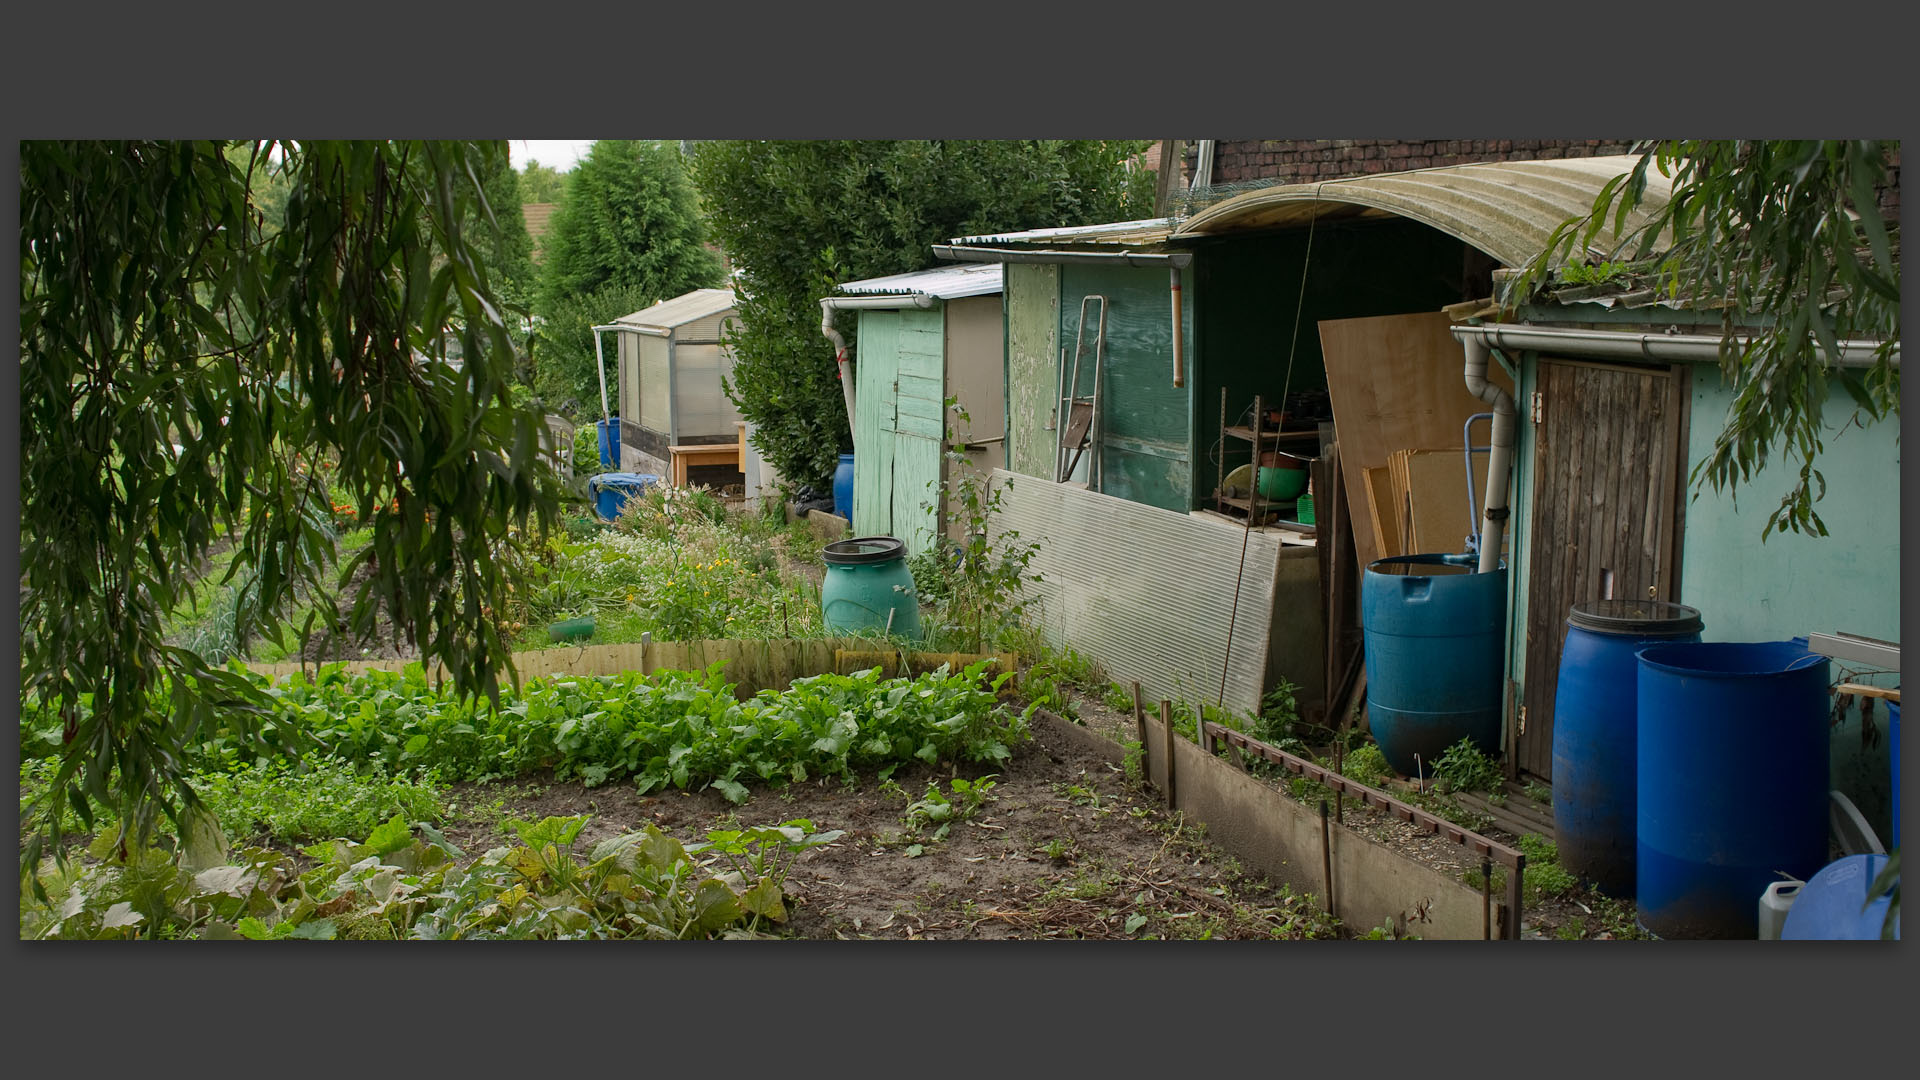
(1636, 617)
(863, 550)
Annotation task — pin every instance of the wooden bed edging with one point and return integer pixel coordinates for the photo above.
(752, 664)
(1373, 885)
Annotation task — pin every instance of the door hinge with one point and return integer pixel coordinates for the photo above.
(1539, 406)
(1523, 720)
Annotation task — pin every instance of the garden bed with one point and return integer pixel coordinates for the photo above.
(1065, 846)
(1556, 906)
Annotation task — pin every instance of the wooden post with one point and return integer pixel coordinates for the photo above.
(1514, 877)
(1166, 720)
(1486, 899)
(1140, 731)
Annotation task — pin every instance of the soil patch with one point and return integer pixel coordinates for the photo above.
(1067, 847)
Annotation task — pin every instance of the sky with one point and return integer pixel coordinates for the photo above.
(557, 154)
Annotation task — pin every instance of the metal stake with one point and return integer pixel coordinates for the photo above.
(1326, 854)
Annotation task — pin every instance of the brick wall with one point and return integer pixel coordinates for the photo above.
(1295, 161)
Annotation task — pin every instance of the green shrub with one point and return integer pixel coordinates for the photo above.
(1366, 765)
(1464, 768)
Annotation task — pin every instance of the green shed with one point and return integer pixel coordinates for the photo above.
(922, 338)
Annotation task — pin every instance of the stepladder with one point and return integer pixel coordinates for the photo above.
(1079, 412)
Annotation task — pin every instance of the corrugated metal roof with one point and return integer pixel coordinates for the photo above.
(690, 307)
(1507, 209)
(1144, 231)
(941, 282)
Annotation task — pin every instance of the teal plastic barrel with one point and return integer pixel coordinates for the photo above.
(869, 588)
(1731, 779)
(1434, 631)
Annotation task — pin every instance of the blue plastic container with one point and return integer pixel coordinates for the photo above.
(1731, 775)
(843, 487)
(1893, 747)
(1830, 907)
(610, 491)
(1595, 719)
(1434, 636)
(609, 434)
(869, 588)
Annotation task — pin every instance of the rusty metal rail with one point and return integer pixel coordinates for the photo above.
(1488, 849)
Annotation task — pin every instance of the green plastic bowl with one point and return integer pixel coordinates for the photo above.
(1282, 485)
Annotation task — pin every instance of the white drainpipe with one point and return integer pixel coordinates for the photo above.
(1500, 459)
(1617, 345)
(831, 304)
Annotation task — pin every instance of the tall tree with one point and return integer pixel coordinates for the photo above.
(627, 235)
(798, 217)
(542, 183)
(1788, 240)
(155, 312)
(499, 230)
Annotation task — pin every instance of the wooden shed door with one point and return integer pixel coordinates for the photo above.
(919, 426)
(1608, 490)
(899, 427)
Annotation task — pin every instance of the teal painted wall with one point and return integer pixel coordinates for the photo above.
(1148, 423)
(1792, 584)
(1747, 590)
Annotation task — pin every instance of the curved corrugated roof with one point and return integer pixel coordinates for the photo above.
(1507, 209)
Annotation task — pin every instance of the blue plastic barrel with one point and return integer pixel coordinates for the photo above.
(843, 487)
(869, 588)
(609, 431)
(1595, 719)
(1833, 906)
(611, 491)
(1732, 781)
(1434, 633)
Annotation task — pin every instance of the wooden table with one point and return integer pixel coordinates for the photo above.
(687, 455)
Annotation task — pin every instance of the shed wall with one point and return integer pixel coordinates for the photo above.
(705, 410)
(1145, 422)
(1033, 345)
(1847, 581)
(654, 398)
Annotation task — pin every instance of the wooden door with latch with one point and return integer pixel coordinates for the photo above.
(1609, 485)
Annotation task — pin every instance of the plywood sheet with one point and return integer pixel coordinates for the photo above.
(1436, 484)
(1395, 381)
(1383, 511)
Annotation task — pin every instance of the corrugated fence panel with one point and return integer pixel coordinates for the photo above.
(1147, 592)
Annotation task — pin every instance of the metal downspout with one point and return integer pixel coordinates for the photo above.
(600, 369)
(1499, 459)
(841, 354)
